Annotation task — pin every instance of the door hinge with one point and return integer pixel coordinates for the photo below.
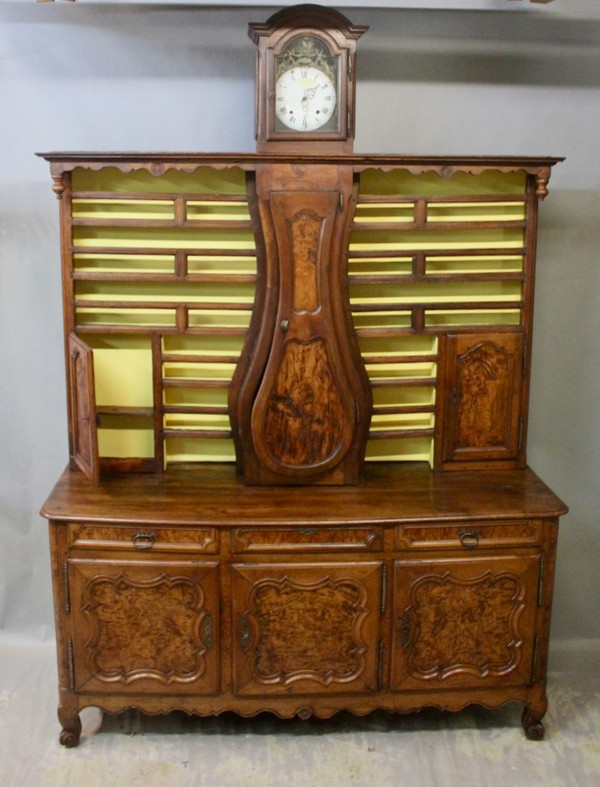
(357, 411)
(521, 434)
(66, 587)
(71, 665)
(207, 631)
(534, 666)
(540, 596)
(341, 201)
(383, 588)
(525, 358)
(380, 666)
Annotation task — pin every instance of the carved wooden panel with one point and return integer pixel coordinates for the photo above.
(482, 418)
(82, 403)
(306, 627)
(464, 622)
(152, 625)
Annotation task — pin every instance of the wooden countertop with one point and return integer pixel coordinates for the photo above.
(390, 493)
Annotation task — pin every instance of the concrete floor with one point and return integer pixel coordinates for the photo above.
(474, 747)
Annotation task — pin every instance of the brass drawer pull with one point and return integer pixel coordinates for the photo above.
(143, 540)
(469, 538)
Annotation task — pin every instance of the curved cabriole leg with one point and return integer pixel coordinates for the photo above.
(71, 727)
(532, 724)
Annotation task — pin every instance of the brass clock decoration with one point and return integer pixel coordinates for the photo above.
(305, 80)
(305, 90)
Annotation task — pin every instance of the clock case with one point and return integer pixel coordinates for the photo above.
(274, 38)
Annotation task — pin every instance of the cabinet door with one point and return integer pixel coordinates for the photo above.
(306, 628)
(144, 626)
(84, 438)
(464, 622)
(482, 404)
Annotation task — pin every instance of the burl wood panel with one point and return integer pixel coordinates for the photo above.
(465, 622)
(305, 238)
(483, 386)
(304, 418)
(306, 626)
(150, 625)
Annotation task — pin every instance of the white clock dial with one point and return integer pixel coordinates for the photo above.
(304, 98)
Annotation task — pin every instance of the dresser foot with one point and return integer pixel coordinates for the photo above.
(71, 728)
(532, 724)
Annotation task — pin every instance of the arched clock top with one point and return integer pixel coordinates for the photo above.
(307, 16)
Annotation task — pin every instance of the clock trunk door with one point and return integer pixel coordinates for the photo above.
(308, 412)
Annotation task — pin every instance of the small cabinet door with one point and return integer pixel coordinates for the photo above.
(306, 628)
(82, 403)
(464, 622)
(144, 626)
(482, 397)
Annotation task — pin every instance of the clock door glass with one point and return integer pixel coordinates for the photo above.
(305, 99)
(306, 88)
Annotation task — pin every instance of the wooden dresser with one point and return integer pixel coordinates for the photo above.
(298, 391)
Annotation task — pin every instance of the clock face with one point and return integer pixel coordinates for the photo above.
(305, 98)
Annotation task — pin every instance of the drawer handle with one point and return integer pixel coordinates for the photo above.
(143, 540)
(469, 538)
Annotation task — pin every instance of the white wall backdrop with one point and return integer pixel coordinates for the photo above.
(507, 78)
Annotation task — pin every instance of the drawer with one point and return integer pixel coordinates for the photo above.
(141, 538)
(306, 539)
(468, 535)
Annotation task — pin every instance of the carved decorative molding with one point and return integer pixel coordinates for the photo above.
(160, 163)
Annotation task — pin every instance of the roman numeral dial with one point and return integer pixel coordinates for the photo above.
(305, 98)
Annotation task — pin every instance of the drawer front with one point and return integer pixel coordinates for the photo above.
(468, 535)
(305, 539)
(140, 538)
